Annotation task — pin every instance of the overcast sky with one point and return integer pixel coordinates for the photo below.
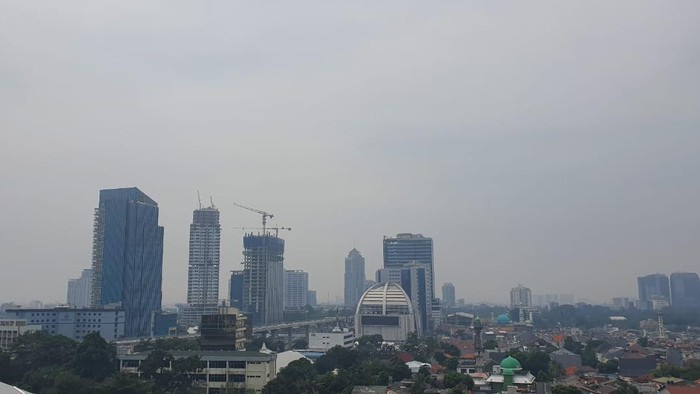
(553, 144)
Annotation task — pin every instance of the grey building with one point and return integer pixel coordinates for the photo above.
(448, 294)
(311, 298)
(414, 279)
(127, 257)
(407, 247)
(235, 288)
(520, 296)
(75, 323)
(296, 289)
(80, 290)
(220, 371)
(685, 290)
(204, 261)
(354, 278)
(653, 287)
(263, 278)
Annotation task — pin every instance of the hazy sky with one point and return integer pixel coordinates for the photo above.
(553, 144)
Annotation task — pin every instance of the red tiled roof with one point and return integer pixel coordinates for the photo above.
(683, 389)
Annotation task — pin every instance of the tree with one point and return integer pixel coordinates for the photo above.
(39, 349)
(299, 377)
(643, 341)
(300, 344)
(450, 349)
(562, 389)
(490, 344)
(452, 364)
(610, 366)
(95, 358)
(336, 357)
(624, 388)
(453, 379)
(124, 383)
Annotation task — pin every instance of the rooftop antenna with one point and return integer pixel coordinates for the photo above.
(212, 201)
(199, 200)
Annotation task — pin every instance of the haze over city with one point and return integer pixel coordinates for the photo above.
(556, 147)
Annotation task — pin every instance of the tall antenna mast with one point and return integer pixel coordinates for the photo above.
(199, 200)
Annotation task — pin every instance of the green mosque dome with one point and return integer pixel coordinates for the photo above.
(510, 364)
(503, 319)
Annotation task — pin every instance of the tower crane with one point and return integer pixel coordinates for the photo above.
(265, 215)
(277, 229)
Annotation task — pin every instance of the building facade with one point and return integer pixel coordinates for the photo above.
(235, 289)
(127, 257)
(263, 278)
(385, 309)
(448, 295)
(311, 298)
(685, 290)
(75, 323)
(221, 371)
(354, 278)
(296, 289)
(414, 279)
(11, 329)
(203, 268)
(80, 290)
(407, 247)
(228, 329)
(653, 287)
(520, 296)
(327, 340)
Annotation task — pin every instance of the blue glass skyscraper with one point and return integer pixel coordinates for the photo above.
(127, 257)
(407, 247)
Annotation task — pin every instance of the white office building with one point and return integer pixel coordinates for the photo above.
(296, 289)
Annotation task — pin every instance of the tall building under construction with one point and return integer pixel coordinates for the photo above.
(203, 270)
(263, 278)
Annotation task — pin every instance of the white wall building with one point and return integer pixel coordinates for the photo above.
(220, 369)
(80, 290)
(75, 323)
(327, 340)
(296, 289)
(11, 329)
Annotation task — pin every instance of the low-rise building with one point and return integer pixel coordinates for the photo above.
(327, 340)
(75, 323)
(220, 370)
(11, 329)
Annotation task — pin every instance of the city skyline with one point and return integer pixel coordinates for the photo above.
(523, 140)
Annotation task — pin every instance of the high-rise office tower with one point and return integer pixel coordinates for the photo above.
(685, 290)
(414, 279)
(263, 278)
(311, 298)
(79, 290)
(354, 278)
(407, 247)
(520, 296)
(296, 289)
(127, 257)
(653, 287)
(235, 287)
(448, 294)
(204, 260)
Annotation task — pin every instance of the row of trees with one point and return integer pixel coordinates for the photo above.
(371, 363)
(53, 364)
